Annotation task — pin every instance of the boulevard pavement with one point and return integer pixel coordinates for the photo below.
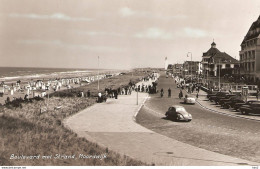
(112, 125)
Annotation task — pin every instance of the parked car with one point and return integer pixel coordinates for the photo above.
(213, 96)
(253, 108)
(189, 100)
(238, 105)
(221, 96)
(231, 103)
(178, 113)
(227, 99)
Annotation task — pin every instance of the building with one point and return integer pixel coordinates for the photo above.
(169, 69)
(192, 68)
(250, 54)
(177, 69)
(215, 63)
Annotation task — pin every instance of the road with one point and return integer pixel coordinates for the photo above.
(227, 135)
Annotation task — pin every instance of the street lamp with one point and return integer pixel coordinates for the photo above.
(219, 75)
(191, 62)
(98, 73)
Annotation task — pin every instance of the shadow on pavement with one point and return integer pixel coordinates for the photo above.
(173, 120)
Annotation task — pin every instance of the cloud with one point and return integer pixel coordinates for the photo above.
(154, 33)
(196, 33)
(57, 16)
(125, 11)
(59, 43)
(128, 12)
(97, 33)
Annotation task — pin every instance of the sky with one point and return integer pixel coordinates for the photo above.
(123, 33)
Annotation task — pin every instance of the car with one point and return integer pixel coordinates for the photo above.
(238, 105)
(189, 100)
(231, 103)
(178, 113)
(228, 98)
(213, 93)
(213, 96)
(224, 95)
(253, 108)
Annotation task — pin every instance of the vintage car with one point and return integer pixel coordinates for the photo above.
(238, 105)
(231, 103)
(189, 100)
(253, 108)
(178, 113)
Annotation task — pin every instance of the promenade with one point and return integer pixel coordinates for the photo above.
(112, 125)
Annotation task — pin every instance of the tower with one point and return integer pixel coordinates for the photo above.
(213, 45)
(165, 63)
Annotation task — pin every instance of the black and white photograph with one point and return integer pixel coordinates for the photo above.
(140, 83)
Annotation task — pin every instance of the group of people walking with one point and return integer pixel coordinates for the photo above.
(169, 92)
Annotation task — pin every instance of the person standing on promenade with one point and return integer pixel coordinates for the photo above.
(88, 93)
(162, 92)
(169, 92)
(257, 94)
(180, 94)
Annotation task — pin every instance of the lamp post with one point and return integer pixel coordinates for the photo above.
(98, 73)
(190, 62)
(208, 75)
(219, 75)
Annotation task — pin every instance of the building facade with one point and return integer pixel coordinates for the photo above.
(250, 54)
(216, 63)
(192, 68)
(177, 69)
(169, 69)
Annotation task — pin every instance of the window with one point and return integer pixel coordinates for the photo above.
(227, 65)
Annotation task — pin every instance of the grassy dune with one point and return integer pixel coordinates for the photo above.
(26, 131)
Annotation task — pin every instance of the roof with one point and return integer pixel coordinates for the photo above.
(213, 44)
(219, 56)
(224, 57)
(255, 34)
(212, 51)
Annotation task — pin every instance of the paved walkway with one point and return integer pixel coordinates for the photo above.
(112, 125)
(205, 103)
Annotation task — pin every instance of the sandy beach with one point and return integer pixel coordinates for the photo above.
(56, 82)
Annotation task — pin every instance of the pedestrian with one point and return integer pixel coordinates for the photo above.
(257, 93)
(116, 94)
(197, 95)
(99, 98)
(169, 92)
(180, 94)
(126, 90)
(88, 93)
(162, 92)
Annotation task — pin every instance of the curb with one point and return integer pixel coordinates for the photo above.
(142, 104)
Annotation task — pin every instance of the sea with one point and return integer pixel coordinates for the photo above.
(14, 73)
